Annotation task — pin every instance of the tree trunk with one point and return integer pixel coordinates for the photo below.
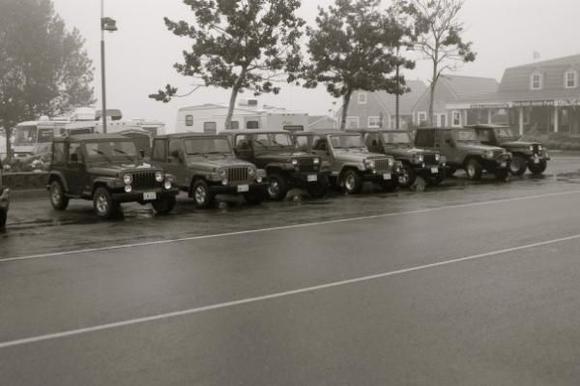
(8, 133)
(233, 97)
(345, 103)
(432, 96)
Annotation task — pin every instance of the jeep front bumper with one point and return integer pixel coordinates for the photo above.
(305, 179)
(387, 175)
(238, 188)
(144, 195)
(501, 162)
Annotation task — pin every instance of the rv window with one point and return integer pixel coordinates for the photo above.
(252, 125)
(234, 125)
(189, 120)
(210, 127)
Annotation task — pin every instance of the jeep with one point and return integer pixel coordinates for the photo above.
(286, 168)
(525, 155)
(350, 162)
(4, 199)
(108, 170)
(463, 150)
(204, 165)
(430, 165)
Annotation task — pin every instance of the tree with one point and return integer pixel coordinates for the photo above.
(438, 33)
(238, 45)
(352, 48)
(44, 69)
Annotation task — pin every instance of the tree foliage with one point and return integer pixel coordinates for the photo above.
(44, 69)
(438, 31)
(352, 47)
(238, 45)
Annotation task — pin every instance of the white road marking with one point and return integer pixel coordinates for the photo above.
(286, 227)
(277, 295)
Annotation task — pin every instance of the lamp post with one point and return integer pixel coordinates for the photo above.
(107, 24)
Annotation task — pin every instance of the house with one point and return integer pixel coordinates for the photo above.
(378, 109)
(538, 97)
(450, 91)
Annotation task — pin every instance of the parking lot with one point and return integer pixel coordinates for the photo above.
(465, 283)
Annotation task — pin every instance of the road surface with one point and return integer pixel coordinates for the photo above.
(467, 284)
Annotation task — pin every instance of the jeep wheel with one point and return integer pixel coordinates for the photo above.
(351, 181)
(437, 179)
(254, 198)
(319, 189)
(451, 170)
(104, 205)
(538, 169)
(473, 169)
(164, 205)
(518, 165)
(201, 194)
(277, 187)
(58, 199)
(408, 176)
(3, 216)
(502, 175)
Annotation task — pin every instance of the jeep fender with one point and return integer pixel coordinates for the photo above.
(107, 182)
(470, 157)
(350, 166)
(58, 176)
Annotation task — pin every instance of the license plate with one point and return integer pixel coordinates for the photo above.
(312, 178)
(243, 188)
(149, 196)
(503, 164)
(387, 176)
(434, 170)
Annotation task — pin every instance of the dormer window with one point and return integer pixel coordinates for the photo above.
(571, 79)
(536, 81)
(362, 98)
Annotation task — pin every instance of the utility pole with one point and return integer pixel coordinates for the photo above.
(107, 24)
(397, 94)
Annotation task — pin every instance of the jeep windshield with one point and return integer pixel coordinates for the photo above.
(505, 133)
(268, 140)
(346, 142)
(205, 146)
(397, 139)
(466, 136)
(111, 152)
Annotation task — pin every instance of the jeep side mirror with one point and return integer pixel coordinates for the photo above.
(74, 158)
(142, 153)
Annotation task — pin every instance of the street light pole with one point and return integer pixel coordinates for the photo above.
(103, 79)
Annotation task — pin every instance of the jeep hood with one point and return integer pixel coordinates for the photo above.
(519, 144)
(216, 162)
(357, 155)
(406, 152)
(477, 147)
(284, 155)
(113, 170)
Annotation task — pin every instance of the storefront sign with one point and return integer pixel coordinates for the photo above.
(534, 103)
(490, 106)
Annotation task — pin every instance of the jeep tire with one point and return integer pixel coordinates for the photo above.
(473, 169)
(3, 216)
(164, 206)
(201, 194)
(538, 169)
(104, 205)
(351, 181)
(58, 200)
(277, 186)
(437, 179)
(409, 176)
(502, 175)
(518, 165)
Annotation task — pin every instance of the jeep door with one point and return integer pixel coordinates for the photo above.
(321, 148)
(176, 163)
(160, 158)
(448, 147)
(75, 171)
(243, 147)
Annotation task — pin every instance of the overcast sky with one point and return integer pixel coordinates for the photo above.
(141, 53)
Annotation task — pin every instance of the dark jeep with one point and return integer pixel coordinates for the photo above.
(108, 170)
(428, 164)
(463, 150)
(4, 199)
(531, 155)
(349, 160)
(204, 165)
(274, 151)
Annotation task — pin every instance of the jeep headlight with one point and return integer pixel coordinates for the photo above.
(531, 147)
(316, 161)
(488, 154)
(167, 184)
(128, 179)
(222, 173)
(159, 177)
(437, 157)
(294, 162)
(540, 147)
(369, 164)
(418, 158)
(391, 162)
(251, 171)
(128, 188)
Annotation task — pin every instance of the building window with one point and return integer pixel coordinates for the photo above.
(456, 119)
(189, 120)
(571, 79)
(352, 122)
(234, 125)
(210, 127)
(374, 122)
(252, 125)
(421, 118)
(362, 98)
(536, 81)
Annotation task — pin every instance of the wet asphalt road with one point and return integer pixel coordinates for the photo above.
(466, 284)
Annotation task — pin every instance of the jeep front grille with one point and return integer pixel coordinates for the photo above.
(144, 180)
(306, 165)
(238, 174)
(429, 159)
(381, 164)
